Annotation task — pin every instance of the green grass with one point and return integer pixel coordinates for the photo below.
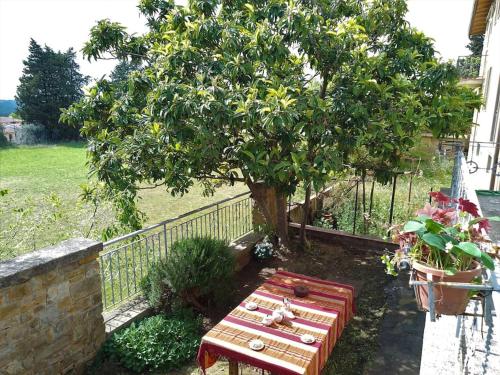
(42, 206)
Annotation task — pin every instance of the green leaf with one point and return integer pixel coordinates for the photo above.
(493, 218)
(434, 240)
(469, 248)
(487, 261)
(433, 226)
(413, 226)
(450, 271)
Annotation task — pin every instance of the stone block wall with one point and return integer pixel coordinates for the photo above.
(51, 309)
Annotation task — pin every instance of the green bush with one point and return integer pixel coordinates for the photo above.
(156, 289)
(31, 134)
(156, 343)
(199, 267)
(3, 140)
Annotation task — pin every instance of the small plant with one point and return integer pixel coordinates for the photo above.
(263, 250)
(443, 237)
(199, 267)
(156, 343)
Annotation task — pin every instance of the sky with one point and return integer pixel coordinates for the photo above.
(62, 24)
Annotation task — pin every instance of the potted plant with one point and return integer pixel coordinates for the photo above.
(441, 244)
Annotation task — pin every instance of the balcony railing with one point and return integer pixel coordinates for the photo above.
(126, 259)
(469, 66)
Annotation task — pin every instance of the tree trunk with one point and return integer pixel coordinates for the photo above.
(272, 205)
(305, 216)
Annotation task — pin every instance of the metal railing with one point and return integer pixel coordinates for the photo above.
(469, 66)
(126, 259)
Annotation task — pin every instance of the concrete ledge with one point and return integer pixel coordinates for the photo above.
(22, 268)
(242, 248)
(125, 314)
(343, 238)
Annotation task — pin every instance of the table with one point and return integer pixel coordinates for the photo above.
(323, 313)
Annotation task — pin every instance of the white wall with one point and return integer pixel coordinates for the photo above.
(490, 71)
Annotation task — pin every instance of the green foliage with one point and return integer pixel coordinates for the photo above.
(199, 267)
(156, 288)
(443, 238)
(50, 81)
(475, 45)
(3, 140)
(155, 343)
(31, 134)
(268, 93)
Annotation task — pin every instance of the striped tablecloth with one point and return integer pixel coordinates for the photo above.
(323, 314)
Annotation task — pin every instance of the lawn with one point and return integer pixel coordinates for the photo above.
(42, 206)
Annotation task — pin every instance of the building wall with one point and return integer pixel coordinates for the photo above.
(50, 310)
(482, 146)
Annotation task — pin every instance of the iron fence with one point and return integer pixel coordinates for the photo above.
(126, 259)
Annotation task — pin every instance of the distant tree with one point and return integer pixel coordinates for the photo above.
(476, 45)
(51, 81)
(123, 69)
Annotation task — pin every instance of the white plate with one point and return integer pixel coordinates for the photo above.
(307, 339)
(256, 344)
(251, 306)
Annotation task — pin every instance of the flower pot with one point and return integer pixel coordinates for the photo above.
(447, 301)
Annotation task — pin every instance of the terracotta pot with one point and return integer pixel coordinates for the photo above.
(447, 301)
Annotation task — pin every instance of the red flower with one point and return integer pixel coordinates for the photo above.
(484, 224)
(444, 216)
(468, 206)
(440, 197)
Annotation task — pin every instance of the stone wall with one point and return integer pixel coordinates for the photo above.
(51, 309)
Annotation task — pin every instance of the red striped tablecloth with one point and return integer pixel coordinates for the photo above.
(323, 314)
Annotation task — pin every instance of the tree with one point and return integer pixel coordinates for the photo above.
(50, 81)
(273, 94)
(122, 70)
(475, 45)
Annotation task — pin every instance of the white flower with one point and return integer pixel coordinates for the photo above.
(448, 246)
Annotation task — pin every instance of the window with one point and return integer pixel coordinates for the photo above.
(486, 88)
(488, 164)
(494, 123)
(478, 149)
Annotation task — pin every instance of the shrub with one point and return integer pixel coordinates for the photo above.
(199, 267)
(31, 134)
(3, 139)
(263, 250)
(156, 343)
(195, 268)
(156, 288)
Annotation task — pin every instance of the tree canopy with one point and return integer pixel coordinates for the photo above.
(475, 45)
(271, 93)
(51, 80)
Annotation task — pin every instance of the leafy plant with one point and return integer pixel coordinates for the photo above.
(156, 343)
(443, 237)
(199, 267)
(263, 250)
(156, 288)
